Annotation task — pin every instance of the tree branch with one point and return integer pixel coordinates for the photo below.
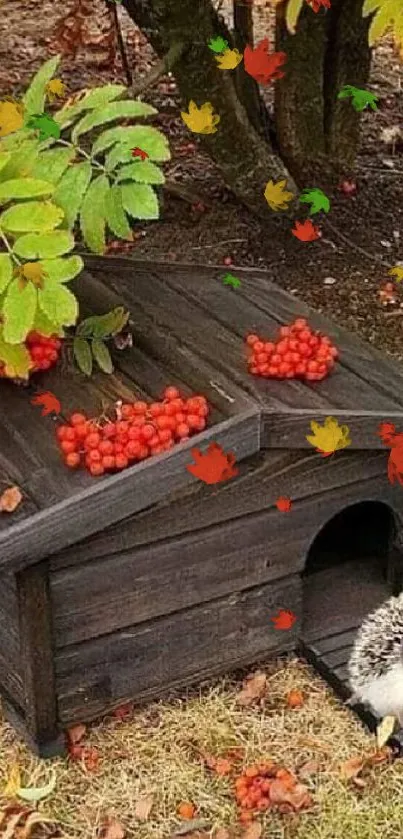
(163, 66)
(121, 45)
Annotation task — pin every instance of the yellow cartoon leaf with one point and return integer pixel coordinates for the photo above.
(229, 59)
(13, 783)
(55, 88)
(277, 196)
(397, 272)
(32, 272)
(329, 437)
(11, 117)
(385, 730)
(201, 120)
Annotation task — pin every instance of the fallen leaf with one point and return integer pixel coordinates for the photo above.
(385, 730)
(284, 620)
(14, 782)
(254, 688)
(193, 829)
(359, 782)
(253, 831)
(123, 712)
(91, 758)
(295, 699)
(277, 196)
(290, 792)
(143, 807)
(50, 403)
(351, 768)
(186, 810)
(222, 833)
(10, 499)
(33, 794)
(311, 767)
(329, 437)
(214, 466)
(235, 753)
(396, 272)
(76, 733)
(306, 231)
(111, 829)
(223, 766)
(201, 120)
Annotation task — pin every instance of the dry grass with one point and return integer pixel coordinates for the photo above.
(152, 752)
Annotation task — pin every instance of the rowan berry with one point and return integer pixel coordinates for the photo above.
(156, 409)
(61, 432)
(122, 427)
(144, 452)
(109, 430)
(182, 430)
(261, 357)
(81, 431)
(96, 469)
(134, 433)
(108, 461)
(68, 446)
(147, 431)
(180, 417)
(139, 407)
(153, 441)
(165, 434)
(127, 411)
(162, 422)
(251, 339)
(72, 460)
(118, 448)
(171, 393)
(132, 450)
(156, 449)
(105, 447)
(169, 409)
(92, 440)
(121, 461)
(94, 456)
(70, 433)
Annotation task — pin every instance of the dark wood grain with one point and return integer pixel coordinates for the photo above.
(289, 430)
(187, 646)
(10, 663)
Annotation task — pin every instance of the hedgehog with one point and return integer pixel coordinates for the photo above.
(376, 663)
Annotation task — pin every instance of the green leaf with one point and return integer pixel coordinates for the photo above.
(115, 215)
(18, 311)
(95, 98)
(114, 110)
(31, 216)
(92, 214)
(57, 302)
(71, 189)
(37, 793)
(34, 98)
(51, 164)
(292, 14)
(83, 355)
(5, 156)
(16, 358)
(44, 245)
(118, 154)
(6, 271)
(24, 188)
(43, 325)
(64, 269)
(140, 201)
(102, 356)
(22, 160)
(146, 137)
(104, 326)
(144, 172)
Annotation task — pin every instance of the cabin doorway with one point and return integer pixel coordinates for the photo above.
(349, 572)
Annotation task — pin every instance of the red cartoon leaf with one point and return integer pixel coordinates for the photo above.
(214, 466)
(318, 4)
(388, 435)
(284, 620)
(283, 504)
(136, 152)
(264, 67)
(306, 231)
(50, 402)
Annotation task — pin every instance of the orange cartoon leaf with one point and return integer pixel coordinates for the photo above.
(50, 402)
(306, 231)
(214, 466)
(284, 620)
(264, 67)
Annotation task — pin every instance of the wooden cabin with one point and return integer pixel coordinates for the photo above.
(126, 586)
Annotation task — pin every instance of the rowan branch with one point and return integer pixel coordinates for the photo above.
(163, 66)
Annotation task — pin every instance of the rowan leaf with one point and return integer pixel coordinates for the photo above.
(92, 214)
(16, 359)
(119, 153)
(82, 354)
(140, 201)
(142, 171)
(385, 730)
(95, 98)
(32, 216)
(19, 309)
(146, 137)
(57, 302)
(102, 356)
(71, 189)
(63, 269)
(43, 245)
(9, 500)
(34, 97)
(22, 160)
(5, 157)
(125, 109)
(254, 688)
(45, 326)
(6, 271)
(24, 188)
(143, 807)
(115, 215)
(292, 14)
(51, 164)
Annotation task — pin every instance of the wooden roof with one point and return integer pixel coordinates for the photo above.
(188, 330)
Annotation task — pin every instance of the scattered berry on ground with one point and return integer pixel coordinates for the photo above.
(299, 353)
(138, 431)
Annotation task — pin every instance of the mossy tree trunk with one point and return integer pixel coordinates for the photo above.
(316, 134)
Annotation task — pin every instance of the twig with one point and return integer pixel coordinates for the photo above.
(371, 257)
(121, 45)
(216, 244)
(163, 66)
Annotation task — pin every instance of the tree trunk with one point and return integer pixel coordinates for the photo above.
(246, 162)
(317, 133)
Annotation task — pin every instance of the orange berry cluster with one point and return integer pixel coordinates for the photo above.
(298, 353)
(44, 351)
(252, 788)
(140, 431)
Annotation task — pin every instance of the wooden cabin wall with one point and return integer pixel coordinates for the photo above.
(10, 654)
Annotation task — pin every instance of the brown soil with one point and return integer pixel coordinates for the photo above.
(334, 276)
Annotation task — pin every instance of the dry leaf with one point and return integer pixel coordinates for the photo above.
(76, 733)
(253, 831)
(385, 730)
(254, 688)
(352, 767)
(10, 500)
(295, 699)
(222, 833)
(223, 766)
(143, 807)
(193, 829)
(13, 783)
(112, 829)
(33, 794)
(289, 792)
(380, 756)
(359, 782)
(311, 767)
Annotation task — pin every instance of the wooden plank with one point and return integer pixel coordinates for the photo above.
(184, 647)
(289, 430)
(37, 654)
(114, 497)
(263, 478)
(103, 596)
(10, 665)
(334, 642)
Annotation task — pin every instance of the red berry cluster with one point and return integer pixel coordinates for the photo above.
(44, 351)
(298, 353)
(140, 430)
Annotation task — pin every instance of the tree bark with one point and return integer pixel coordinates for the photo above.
(246, 162)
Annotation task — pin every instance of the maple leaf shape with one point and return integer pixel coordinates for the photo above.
(46, 125)
(213, 467)
(318, 4)
(201, 120)
(55, 89)
(359, 98)
(329, 437)
(50, 402)
(136, 152)
(31, 272)
(229, 59)
(217, 44)
(306, 231)
(284, 620)
(229, 279)
(397, 272)
(277, 196)
(318, 200)
(264, 67)
(11, 117)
